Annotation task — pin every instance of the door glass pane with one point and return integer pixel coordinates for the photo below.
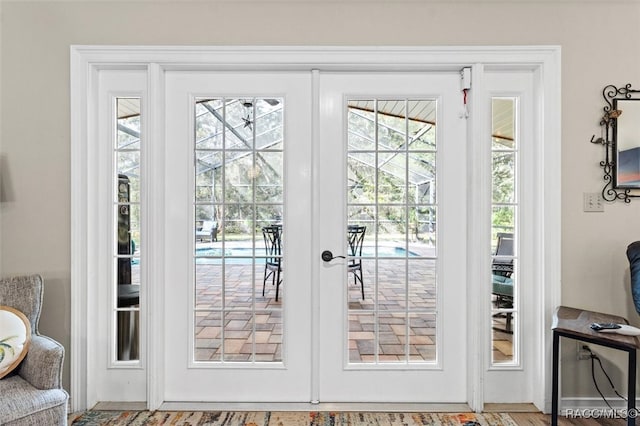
(238, 229)
(391, 201)
(127, 228)
(503, 346)
(504, 276)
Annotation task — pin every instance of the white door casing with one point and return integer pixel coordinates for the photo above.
(87, 63)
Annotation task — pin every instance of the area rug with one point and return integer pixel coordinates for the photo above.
(274, 418)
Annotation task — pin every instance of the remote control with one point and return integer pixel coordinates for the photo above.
(600, 326)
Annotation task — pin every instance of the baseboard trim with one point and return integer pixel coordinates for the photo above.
(592, 403)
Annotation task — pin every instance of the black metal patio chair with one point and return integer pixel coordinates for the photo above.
(354, 264)
(273, 262)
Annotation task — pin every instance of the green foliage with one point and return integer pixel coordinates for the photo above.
(248, 162)
(503, 176)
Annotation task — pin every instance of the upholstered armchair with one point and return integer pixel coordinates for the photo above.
(32, 394)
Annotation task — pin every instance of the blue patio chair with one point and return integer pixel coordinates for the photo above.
(502, 283)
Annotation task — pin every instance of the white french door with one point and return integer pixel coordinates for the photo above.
(391, 159)
(238, 157)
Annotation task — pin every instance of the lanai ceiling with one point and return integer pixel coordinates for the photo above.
(502, 112)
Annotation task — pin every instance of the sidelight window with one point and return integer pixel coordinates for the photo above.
(504, 231)
(126, 204)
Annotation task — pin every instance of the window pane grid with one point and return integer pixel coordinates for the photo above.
(238, 155)
(127, 226)
(393, 195)
(504, 233)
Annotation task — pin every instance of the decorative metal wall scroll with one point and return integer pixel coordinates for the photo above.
(620, 136)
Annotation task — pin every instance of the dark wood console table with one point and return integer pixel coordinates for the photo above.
(575, 324)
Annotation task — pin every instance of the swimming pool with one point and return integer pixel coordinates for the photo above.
(242, 255)
(210, 255)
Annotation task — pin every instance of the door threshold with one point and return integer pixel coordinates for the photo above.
(323, 406)
(120, 406)
(494, 407)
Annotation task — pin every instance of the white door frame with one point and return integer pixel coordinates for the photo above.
(86, 61)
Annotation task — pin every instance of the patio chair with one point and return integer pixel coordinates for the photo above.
(209, 230)
(503, 260)
(502, 283)
(272, 235)
(32, 394)
(354, 264)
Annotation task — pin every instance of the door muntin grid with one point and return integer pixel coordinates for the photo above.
(127, 220)
(391, 191)
(238, 191)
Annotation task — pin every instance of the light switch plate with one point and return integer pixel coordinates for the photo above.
(593, 202)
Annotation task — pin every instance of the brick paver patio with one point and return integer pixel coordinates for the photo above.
(254, 333)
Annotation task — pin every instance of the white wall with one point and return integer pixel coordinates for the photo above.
(600, 45)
